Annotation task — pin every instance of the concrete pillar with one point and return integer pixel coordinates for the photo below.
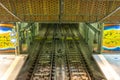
(86, 33)
(33, 31)
(18, 38)
(36, 28)
(100, 38)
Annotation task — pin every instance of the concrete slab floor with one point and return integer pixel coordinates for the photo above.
(96, 73)
(10, 66)
(109, 65)
(31, 55)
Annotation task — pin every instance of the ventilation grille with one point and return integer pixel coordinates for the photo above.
(49, 10)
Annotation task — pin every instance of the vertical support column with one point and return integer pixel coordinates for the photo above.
(18, 39)
(33, 31)
(37, 28)
(27, 38)
(61, 4)
(96, 34)
(95, 37)
(86, 34)
(100, 38)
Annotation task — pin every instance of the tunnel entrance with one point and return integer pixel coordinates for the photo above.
(60, 57)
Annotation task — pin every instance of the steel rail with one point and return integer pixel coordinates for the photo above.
(81, 55)
(39, 53)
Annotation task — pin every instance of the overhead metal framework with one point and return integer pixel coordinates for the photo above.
(60, 11)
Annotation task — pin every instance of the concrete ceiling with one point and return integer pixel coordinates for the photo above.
(107, 11)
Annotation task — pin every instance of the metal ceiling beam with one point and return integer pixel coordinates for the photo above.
(92, 27)
(9, 12)
(61, 4)
(12, 5)
(117, 9)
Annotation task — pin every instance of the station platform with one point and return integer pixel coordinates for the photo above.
(109, 65)
(10, 66)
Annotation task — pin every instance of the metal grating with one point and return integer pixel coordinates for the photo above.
(88, 11)
(49, 10)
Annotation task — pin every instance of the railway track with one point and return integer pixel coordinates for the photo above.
(61, 68)
(78, 68)
(60, 59)
(41, 66)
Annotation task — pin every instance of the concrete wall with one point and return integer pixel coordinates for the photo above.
(88, 34)
(23, 25)
(82, 29)
(91, 39)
